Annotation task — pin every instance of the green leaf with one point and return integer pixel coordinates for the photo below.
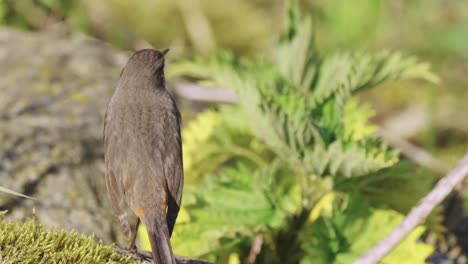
(397, 187)
(345, 73)
(355, 121)
(355, 227)
(351, 161)
(214, 138)
(239, 202)
(5, 190)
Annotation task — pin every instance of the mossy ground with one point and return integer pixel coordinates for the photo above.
(30, 242)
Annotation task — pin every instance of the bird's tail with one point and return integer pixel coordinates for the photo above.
(172, 212)
(158, 234)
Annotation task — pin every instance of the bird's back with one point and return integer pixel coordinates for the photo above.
(136, 130)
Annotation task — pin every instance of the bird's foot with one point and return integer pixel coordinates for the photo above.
(133, 248)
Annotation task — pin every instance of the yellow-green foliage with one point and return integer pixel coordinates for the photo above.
(218, 131)
(269, 164)
(29, 242)
(351, 227)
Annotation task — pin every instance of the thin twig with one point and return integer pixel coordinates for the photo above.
(418, 213)
(145, 256)
(200, 93)
(255, 249)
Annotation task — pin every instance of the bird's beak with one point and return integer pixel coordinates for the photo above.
(164, 52)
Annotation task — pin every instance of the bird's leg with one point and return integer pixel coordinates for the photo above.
(132, 244)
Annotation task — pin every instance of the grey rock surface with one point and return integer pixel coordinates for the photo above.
(54, 89)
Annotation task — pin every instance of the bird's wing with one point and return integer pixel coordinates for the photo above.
(172, 162)
(114, 186)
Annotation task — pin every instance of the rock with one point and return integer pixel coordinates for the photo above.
(54, 89)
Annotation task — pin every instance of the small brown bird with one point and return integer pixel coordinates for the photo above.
(143, 152)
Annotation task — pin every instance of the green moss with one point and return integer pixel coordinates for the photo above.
(29, 242)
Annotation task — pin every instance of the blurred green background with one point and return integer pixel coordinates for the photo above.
(434, 117)
(435, 30)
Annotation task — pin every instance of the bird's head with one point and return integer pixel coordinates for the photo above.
(144, 66)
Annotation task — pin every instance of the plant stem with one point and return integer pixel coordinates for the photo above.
(286, 241)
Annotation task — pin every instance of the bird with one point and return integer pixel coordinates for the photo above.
(143, 152)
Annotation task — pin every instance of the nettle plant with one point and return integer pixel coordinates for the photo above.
(295, 160)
